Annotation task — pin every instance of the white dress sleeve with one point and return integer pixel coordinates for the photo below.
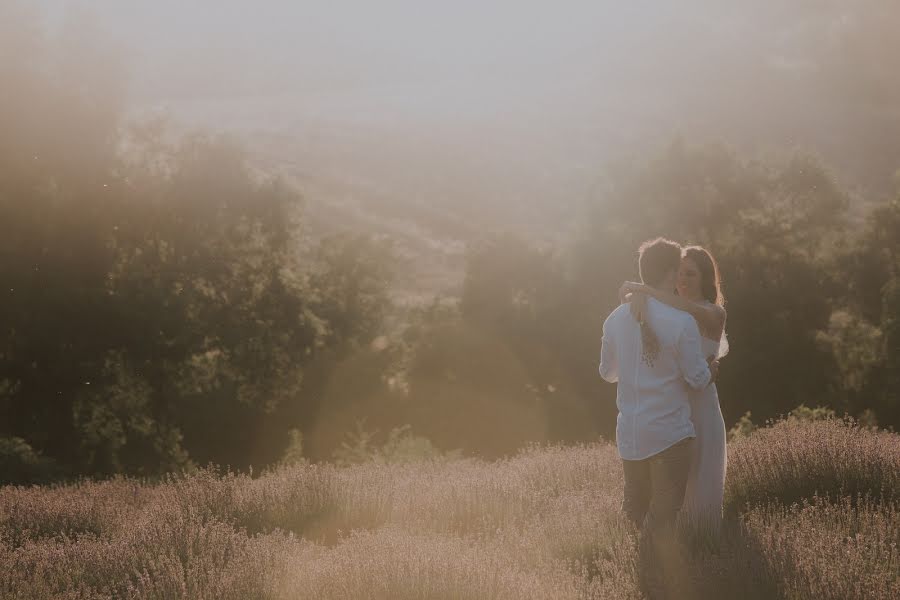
(723, 345)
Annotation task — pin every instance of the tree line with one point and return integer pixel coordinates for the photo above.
(162, 305)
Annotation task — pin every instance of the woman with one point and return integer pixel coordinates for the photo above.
(700, 294)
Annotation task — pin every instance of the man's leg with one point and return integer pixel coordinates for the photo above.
(637, 490)
(668, 478)
(666, 571)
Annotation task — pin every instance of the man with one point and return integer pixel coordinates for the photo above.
(653, 363)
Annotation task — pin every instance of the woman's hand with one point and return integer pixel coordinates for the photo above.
(635, 287)
(638, 306)
(713, 363)
(628, 288)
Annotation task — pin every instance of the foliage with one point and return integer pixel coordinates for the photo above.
(527, 318)
(164, 306)
(293, 454)
(804, 413)
(21, 465)
(161, 306)
(401, 446)
(809, 302)
(743, 427)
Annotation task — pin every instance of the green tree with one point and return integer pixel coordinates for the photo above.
(159, 306)
(872, 270)
(772, 229)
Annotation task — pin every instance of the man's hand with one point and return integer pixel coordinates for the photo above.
(713, 363)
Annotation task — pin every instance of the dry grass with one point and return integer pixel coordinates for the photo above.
(544, 524)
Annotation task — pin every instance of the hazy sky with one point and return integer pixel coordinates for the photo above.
(522, 96)
(238, 46)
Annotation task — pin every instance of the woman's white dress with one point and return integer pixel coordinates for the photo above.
(706, 480)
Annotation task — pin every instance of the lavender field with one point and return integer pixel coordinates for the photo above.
(813, 512)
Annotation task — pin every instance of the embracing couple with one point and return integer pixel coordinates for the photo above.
(661, 347)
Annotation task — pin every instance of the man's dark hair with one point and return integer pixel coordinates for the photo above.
(656, 258)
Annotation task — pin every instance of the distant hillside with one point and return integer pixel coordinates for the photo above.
(430, 182)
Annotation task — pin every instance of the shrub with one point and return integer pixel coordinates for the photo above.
(744, 427)
(830, 550)
(20, 464)
(100, 508)
(796, 459)
(401, 446)
(293, 454)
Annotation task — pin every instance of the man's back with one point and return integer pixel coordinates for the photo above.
(652, 395)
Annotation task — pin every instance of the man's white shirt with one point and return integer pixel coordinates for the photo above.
(654, 409)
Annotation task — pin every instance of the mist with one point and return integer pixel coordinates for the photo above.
(320, 299)
(258, 223)
(505, 113)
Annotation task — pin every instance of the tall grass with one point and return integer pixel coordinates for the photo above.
(794, 460)
(830, 550)
(814, 513)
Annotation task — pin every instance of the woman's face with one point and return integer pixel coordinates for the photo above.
(688, 284)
